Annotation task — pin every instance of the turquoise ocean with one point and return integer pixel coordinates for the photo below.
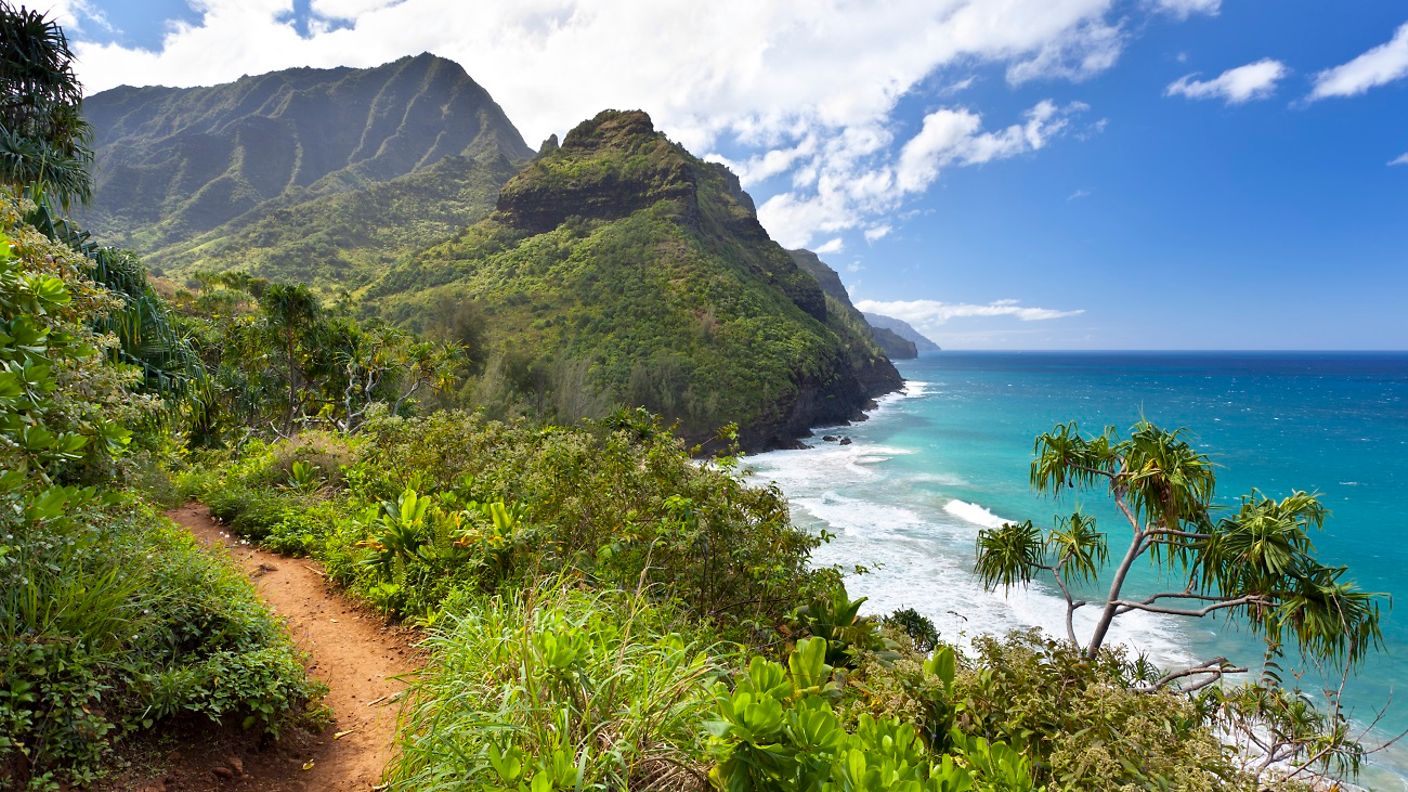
(949, 456)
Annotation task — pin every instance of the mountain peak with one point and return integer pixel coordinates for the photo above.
(611, 129)
(176, 162)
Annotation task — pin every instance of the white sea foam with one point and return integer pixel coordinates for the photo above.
(912, 389)
(918, 548)
(974, 513)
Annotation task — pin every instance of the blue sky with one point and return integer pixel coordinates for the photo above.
(1048, 174)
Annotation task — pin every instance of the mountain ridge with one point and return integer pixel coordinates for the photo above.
(903, 329)
(178, 168)
(893, 345)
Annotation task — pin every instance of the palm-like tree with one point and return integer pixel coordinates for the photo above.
(289, 311)
(44, 141)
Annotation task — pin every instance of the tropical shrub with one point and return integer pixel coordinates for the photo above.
(1081, 723)
(110, 620)
(619, 501)
(776, 729)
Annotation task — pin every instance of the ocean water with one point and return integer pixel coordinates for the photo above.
(949, 456)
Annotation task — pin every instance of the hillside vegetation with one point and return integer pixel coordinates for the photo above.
(319, 175)
(894, 346)
(625, 270)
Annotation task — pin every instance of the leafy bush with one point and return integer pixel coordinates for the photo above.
(835, 618)
(111, 620)
(776, 729)
(917, 626)
(556, 687)
(1082, 723)
(620, 501)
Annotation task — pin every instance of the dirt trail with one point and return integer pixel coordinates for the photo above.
(351, 650)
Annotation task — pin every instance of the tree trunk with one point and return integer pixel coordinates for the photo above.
(1107, 616)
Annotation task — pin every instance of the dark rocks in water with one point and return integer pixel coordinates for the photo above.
(845, 441)
(830, 438)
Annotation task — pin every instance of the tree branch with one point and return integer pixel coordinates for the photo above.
(1125, 606)
(1216, 668)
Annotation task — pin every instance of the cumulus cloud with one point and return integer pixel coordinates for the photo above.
(931, 314)
(1401, 159)
(833, 245)
(792, 90)
(860, 178)
(1253, 81)
(1379, 66)
(1183, 9)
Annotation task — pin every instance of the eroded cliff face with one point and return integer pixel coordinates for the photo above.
(623, 255)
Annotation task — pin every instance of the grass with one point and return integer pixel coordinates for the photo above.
(561, 687)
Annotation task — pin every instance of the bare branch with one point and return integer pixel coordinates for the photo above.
(1125, 606)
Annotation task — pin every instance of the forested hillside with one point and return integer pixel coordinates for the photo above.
(619, 268)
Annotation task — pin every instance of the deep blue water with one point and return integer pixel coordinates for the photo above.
(934, 465)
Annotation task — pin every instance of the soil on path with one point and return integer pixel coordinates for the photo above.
(349, 649)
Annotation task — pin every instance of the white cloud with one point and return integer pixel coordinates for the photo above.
(1077, 195)
(791, 89)
(929, 315)
(77, 16)
(1091, 48)
(877, 232)
(858, 179)
(1183, 9)
(1381, 65)
(833, 245)
(1253, 81)
(1401, 159)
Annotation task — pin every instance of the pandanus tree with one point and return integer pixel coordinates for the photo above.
(290, 311)
(44, 141)
(1256, 561)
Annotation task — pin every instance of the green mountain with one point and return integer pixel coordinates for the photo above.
(892, 344)
(619, 265)
(902, 329)
(319, 175)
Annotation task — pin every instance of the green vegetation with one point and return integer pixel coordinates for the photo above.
(604, 608)
(558, 687)
(620, 267)
(889, 343)
(111, 621)
(323, 177)
(1257, 564)
(272, 356)
(343, 241)
(413, 509)
(43, 138)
